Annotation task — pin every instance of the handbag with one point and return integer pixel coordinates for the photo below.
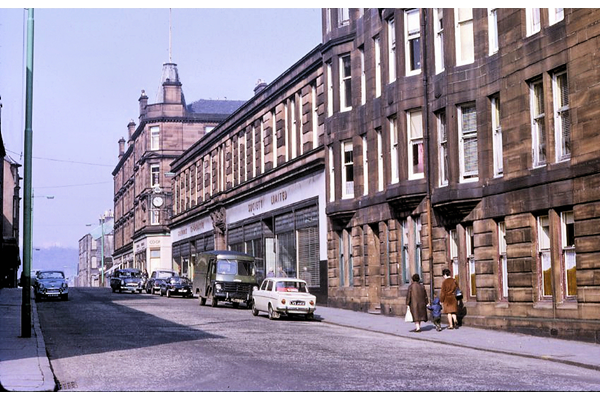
(458, 293)
(408, 317)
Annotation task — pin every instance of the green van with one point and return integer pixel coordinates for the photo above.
(223, 275)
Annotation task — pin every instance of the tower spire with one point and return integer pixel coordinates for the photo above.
(170, 40)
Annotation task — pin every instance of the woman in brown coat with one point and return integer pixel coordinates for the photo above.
(448, 298)
(416, 299)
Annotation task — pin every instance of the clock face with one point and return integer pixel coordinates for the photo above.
(157, 201)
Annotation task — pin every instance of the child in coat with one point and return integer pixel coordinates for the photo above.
(436, 313)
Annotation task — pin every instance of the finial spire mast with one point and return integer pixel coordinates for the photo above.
(170, 40)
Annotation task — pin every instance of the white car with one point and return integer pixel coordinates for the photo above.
(283, 296)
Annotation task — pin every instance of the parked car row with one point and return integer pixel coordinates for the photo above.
(165, 283)
(224, 276)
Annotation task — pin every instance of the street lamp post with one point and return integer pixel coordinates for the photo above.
(28, 145)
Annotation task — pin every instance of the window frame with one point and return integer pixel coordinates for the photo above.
(331, 163)
(538, 123)
(329, 72)
(493, 31)
(502, 262)
(155, 138)
(544, 251)
(555, 15)
(415, 140)
(380, 168)
(464, 57)
(347, 169)
(463, 137)
(413, 65)
(497, 141)
(533, 22)
(394, 150)
(438, 27)
(561, 116)
(363, 77)
(568, 254)
(345, 74)
(391, 36)
(155, 175)
(365, 154)
(377, 58)
(343, 16)
(442, 147)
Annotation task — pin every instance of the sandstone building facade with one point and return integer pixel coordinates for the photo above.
(407, 142)
(142, 191)
(256, 183)
(467, 143)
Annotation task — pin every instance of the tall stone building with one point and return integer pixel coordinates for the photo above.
(256, 184)
(10, 197)
(142, 201)
(408, 142)
(95, 254)
(465, 139)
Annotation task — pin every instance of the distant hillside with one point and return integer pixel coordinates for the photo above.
(59, 258)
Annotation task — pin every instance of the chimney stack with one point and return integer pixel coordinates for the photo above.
(121, 147)
(260, 85)
(143, 103)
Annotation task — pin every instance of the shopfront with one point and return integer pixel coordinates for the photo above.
(285, 230)
(189, 240)
(152, 253)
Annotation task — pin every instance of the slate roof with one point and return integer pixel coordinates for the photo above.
(206, 106)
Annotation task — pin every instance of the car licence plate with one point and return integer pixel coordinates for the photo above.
(297, 303)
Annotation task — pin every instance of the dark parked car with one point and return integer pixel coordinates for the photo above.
(50, 284)
(126, 279)
(176, 285)
(156, 279)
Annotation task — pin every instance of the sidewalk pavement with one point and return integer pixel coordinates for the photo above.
(24, 364)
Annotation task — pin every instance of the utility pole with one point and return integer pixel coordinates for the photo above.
(27, 199)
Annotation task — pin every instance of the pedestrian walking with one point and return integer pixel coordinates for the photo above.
(416, 299)
(448, 298)
(436, 313)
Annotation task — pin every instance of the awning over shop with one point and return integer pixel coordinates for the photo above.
(112, 269)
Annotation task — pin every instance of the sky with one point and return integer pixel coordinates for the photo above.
(90, 66)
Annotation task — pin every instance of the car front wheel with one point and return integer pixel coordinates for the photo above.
(254, 311)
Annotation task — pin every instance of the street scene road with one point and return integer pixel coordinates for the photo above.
(104, 341)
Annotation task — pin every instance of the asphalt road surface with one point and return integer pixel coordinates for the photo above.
(104, 341)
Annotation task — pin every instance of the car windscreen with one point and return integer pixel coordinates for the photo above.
(291, 286)
(51, 275)
(130, 274)
(235, 267)
(165, 275)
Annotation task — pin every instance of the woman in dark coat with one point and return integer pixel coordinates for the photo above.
(448, 298)
(416, 299)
